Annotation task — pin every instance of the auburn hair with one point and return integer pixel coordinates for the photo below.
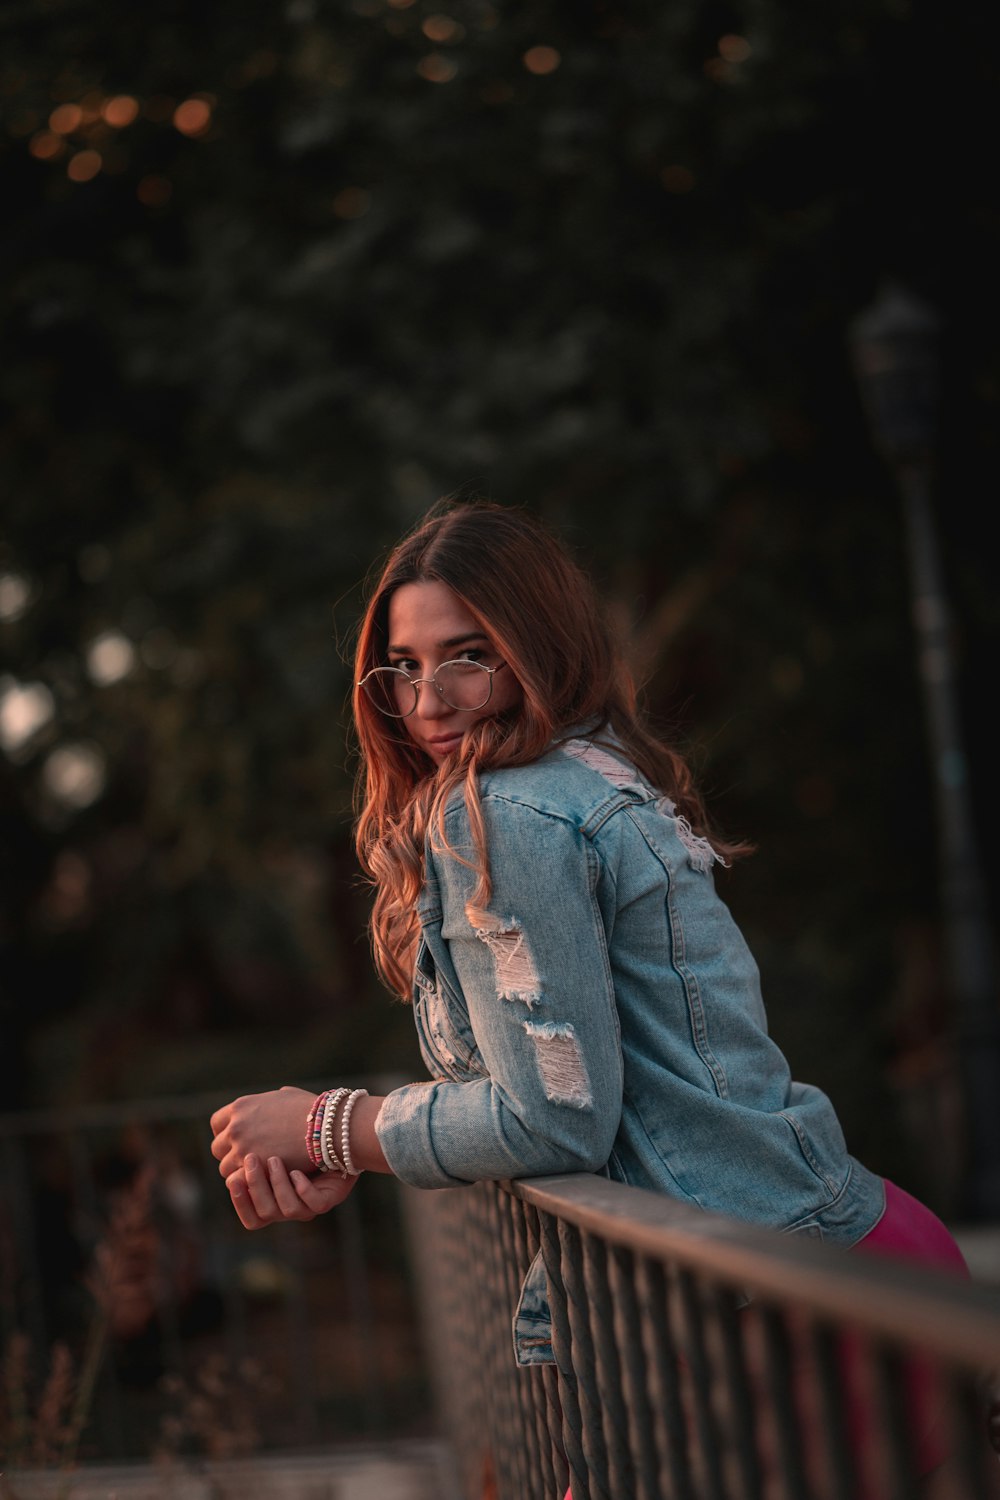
(542, 615)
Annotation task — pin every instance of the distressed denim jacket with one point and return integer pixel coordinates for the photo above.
(604, 1015)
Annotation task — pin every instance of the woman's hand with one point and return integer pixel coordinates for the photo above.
(263, 1125)
(269, 1194)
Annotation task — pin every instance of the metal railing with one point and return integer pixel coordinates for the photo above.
(696, 1358)
(117, 1239)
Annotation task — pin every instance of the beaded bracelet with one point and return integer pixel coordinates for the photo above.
(331, 1161)
(345, 1130)
(312, 1137)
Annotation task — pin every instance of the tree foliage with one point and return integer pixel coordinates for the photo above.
(598, 259)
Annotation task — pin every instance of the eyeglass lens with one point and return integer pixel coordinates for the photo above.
(462, 685)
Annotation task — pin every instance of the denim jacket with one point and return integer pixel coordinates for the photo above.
(604, 1015)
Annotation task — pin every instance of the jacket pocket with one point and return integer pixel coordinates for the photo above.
(446, 1044)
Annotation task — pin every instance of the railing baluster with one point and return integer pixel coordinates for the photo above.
(837, 1446)
(584, 1363)
(700, 1385)
(780, 1386)
(635, 1374)
(514, 1471)
(896, 1437)
(562, 1341)
(738, 1413)
(549, 1373)
(526, 1391)
(607, 1368)
(973, 1458)
(663, 1359)
(487, 1418)
(445, 1251)
(532, 1379)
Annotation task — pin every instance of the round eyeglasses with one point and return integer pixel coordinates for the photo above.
(462, 685)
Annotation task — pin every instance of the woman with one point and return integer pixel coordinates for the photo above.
(542, 867)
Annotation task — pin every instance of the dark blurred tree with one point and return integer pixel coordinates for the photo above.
(598, 259)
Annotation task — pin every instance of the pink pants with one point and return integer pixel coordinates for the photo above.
(906, 1231)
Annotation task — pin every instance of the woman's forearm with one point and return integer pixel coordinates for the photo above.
(366, 1152)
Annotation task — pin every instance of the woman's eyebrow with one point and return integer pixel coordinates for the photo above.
(448, 645)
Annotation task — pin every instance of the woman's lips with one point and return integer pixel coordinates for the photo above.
(445, 744)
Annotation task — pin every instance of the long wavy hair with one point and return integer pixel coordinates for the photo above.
(542, 615)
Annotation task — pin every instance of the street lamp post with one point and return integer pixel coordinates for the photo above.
(894, 344)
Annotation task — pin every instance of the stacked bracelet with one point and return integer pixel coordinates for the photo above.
(345, 1130)
(314, 1122)
(328, 1151)
(321, 1131)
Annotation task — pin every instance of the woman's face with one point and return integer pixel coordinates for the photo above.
(429, 625)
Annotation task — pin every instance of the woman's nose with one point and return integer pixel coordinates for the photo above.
(430, 704)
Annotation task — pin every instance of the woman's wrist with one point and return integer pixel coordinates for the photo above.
(340, 1132)
(366, 1152)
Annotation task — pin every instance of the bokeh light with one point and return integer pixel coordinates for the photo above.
(15, 594)
(65, 118)
(75, 774)
(25, 708)
(193, 117)
(120, 110)
(46, 145)
(110, 657)
(541, 60)
(84, 165)
(437, 69)
(440, 28)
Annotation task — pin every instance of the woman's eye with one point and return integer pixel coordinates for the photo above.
(471, 653)
(406, 665)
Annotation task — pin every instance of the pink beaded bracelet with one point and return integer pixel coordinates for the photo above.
(313, 1147)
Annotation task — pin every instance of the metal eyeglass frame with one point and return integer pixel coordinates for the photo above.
(416, 681)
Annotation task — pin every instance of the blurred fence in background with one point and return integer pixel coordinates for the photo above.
(697, 1358)
(191, 1336)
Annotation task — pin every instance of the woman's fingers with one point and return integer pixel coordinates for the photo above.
(261, 1192)
(269, 1194)
(287, 1199)
(229, 1160)
(242, 1202)
(221, 1147)
(320, 1194)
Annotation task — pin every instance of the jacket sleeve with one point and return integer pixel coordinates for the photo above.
(534, 975)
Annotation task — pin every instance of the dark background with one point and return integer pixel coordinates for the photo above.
(597, 259)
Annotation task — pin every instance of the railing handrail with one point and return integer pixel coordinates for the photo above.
(958, 1320)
